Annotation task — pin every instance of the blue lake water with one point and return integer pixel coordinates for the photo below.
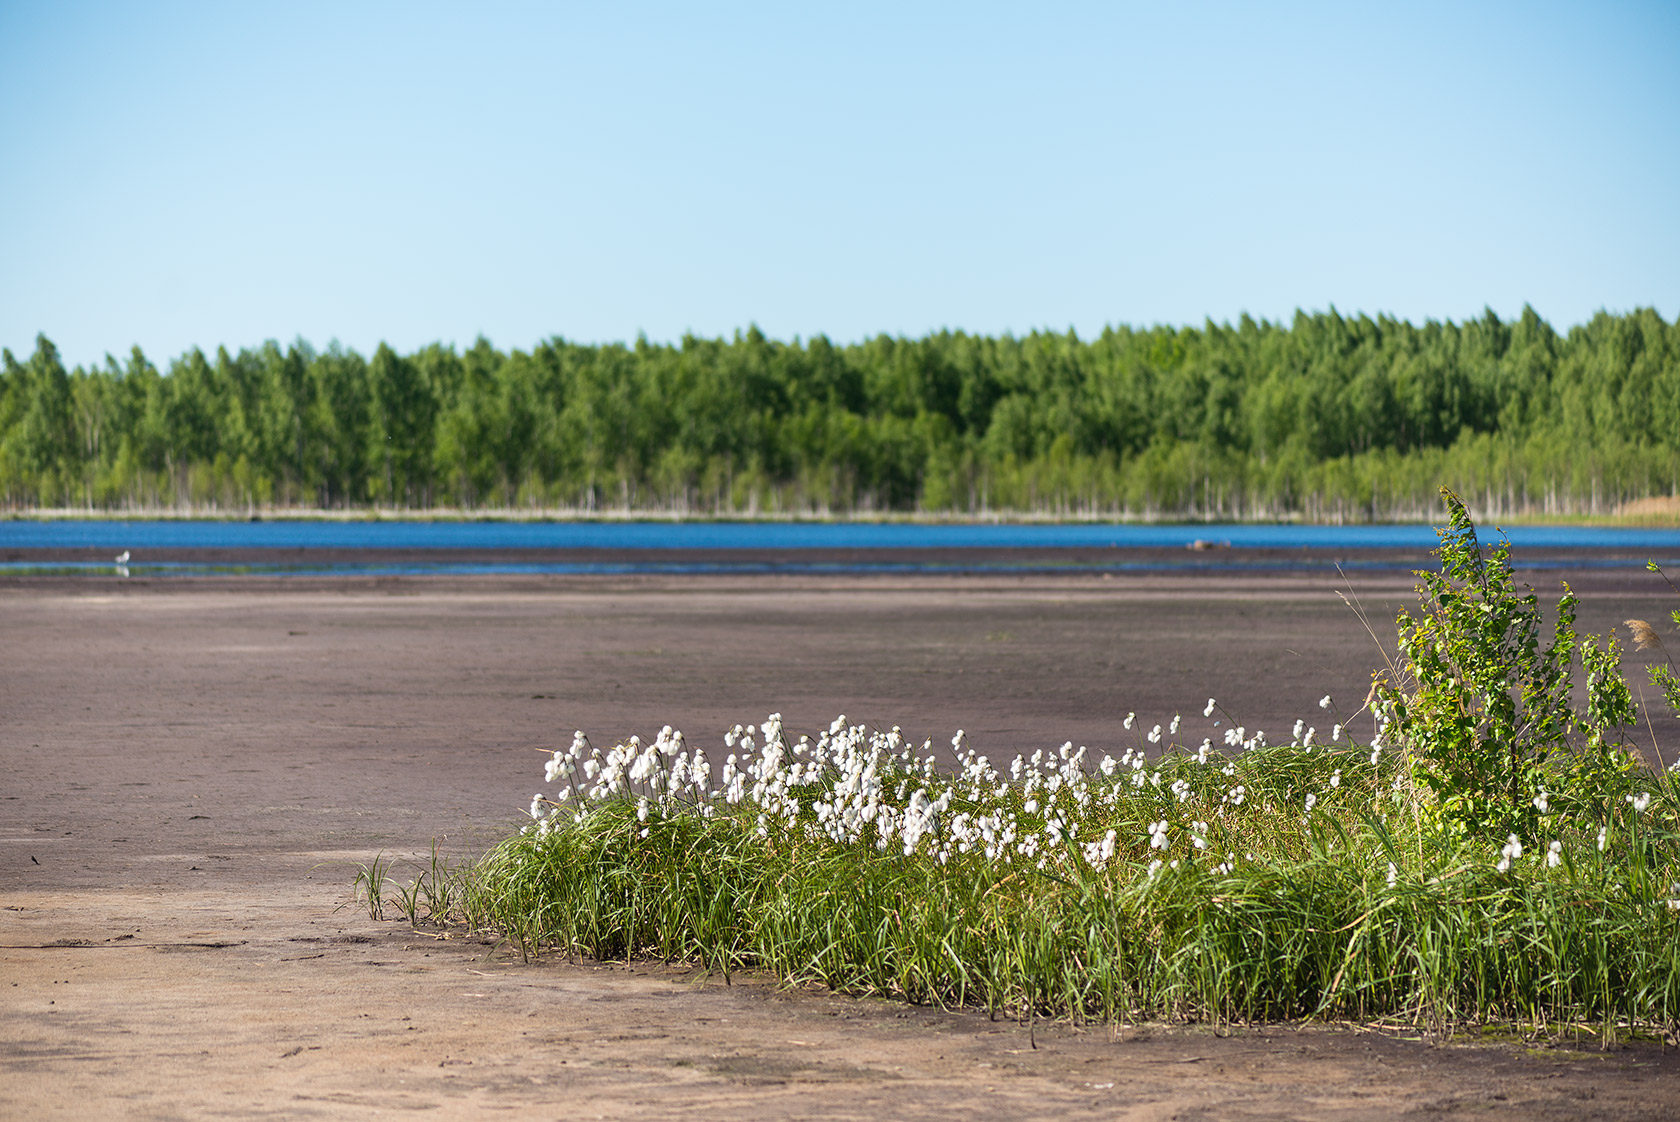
(657, 543)
(119, 535)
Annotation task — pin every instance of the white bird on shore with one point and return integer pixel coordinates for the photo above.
(122, 558)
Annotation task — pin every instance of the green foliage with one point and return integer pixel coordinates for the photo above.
(1327, 416)
(1485, 710)
(369, 887)
(440, 890)
(1343, 908)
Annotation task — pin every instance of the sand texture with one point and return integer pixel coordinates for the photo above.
(192, 771)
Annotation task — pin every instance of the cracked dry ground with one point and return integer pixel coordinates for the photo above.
(194, 771)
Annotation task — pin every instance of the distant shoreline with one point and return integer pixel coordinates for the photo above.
(1653, 513)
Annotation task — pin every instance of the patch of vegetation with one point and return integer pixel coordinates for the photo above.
(1492, 854)
(436, 896)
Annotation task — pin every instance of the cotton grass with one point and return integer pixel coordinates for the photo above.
(1281, 881)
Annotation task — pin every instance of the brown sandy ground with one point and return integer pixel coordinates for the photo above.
(192, 771)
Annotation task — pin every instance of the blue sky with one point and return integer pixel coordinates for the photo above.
(200, 174)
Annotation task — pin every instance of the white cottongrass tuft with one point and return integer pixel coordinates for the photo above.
(1512, 851)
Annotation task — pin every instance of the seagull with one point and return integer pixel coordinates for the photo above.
(122, 558)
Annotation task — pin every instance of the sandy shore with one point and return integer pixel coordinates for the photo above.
(194, 769)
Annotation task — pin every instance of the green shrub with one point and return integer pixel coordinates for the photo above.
(1484, 707)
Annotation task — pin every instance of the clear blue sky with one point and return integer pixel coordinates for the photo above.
(181, 174)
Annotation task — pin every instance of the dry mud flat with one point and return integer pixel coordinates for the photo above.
(194, 769)
(198, 1003)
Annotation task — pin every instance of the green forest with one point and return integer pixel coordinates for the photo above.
(1327, 417)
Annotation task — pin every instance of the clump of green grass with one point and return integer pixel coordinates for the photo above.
(437, 896)
(369, 886)
(1350, 909)
(1445, 871)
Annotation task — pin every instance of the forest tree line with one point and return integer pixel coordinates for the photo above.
(1328, 416)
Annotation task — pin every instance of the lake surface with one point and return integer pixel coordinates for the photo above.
(120, 535)
(316, 547)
